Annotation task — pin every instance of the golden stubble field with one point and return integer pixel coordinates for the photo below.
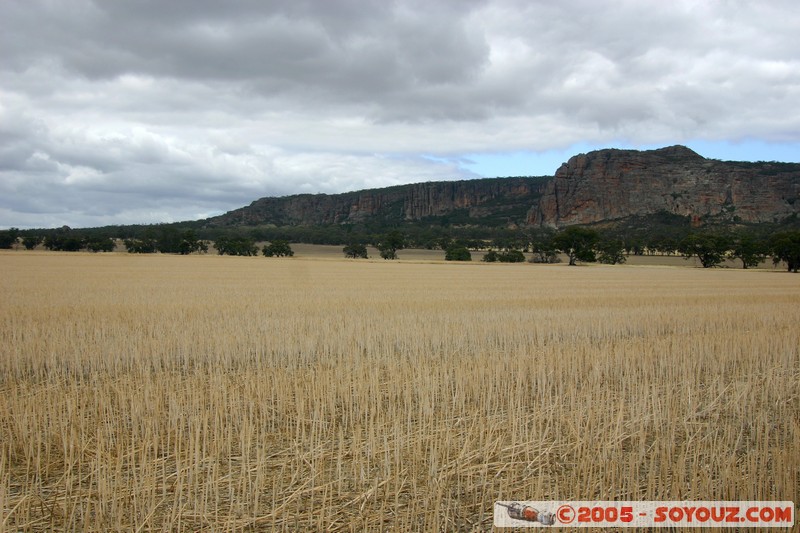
(151, 393)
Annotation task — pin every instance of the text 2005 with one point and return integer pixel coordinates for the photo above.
(605, 514)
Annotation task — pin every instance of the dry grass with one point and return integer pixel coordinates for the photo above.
(219, 393)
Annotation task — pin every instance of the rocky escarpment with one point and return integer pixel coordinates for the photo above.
(500, 198)
(599, 186)
(614, 184)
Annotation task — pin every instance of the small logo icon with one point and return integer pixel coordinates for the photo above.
(527, 513)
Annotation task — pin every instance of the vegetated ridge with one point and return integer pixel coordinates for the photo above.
(492, 201)
(600, 186)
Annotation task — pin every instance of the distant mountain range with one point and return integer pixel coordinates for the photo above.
(597, 187)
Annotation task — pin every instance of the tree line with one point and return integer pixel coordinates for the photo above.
(711, 247)
(587, 245)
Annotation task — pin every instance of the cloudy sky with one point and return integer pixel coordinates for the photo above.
(142, 111)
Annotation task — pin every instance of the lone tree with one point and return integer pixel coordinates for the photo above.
(747, 248)
(709, 248)
(490, 257)
(577, 243)
(390, 243)
(355, 251)
(63, 240)
(611, 252)
(100, 244)
(8, 238)
(140, 246)
(542, 247)
(188, 243)
(278, 248)
(785, 246)
(236, 246)
(457, 252)
(31, 241)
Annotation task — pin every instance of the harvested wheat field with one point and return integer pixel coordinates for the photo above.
(151, 393)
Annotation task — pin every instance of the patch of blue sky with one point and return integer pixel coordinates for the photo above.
(748, 150)
(545, 163)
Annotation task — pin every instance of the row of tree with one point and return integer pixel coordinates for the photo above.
(167, 242)
(582, 244)
(243, 246)
(712, 248)
(656, 233)
(579, 244)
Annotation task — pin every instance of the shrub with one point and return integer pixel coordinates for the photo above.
(457, 253)
(355, 251)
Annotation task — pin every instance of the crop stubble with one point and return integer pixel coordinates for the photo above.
(204, 392)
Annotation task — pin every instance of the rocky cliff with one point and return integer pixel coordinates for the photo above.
(507, 199)
(600, 186)
(614, 184)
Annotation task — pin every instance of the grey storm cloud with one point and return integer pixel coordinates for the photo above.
(122, 111)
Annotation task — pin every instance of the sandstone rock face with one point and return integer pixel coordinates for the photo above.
(613, 184)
